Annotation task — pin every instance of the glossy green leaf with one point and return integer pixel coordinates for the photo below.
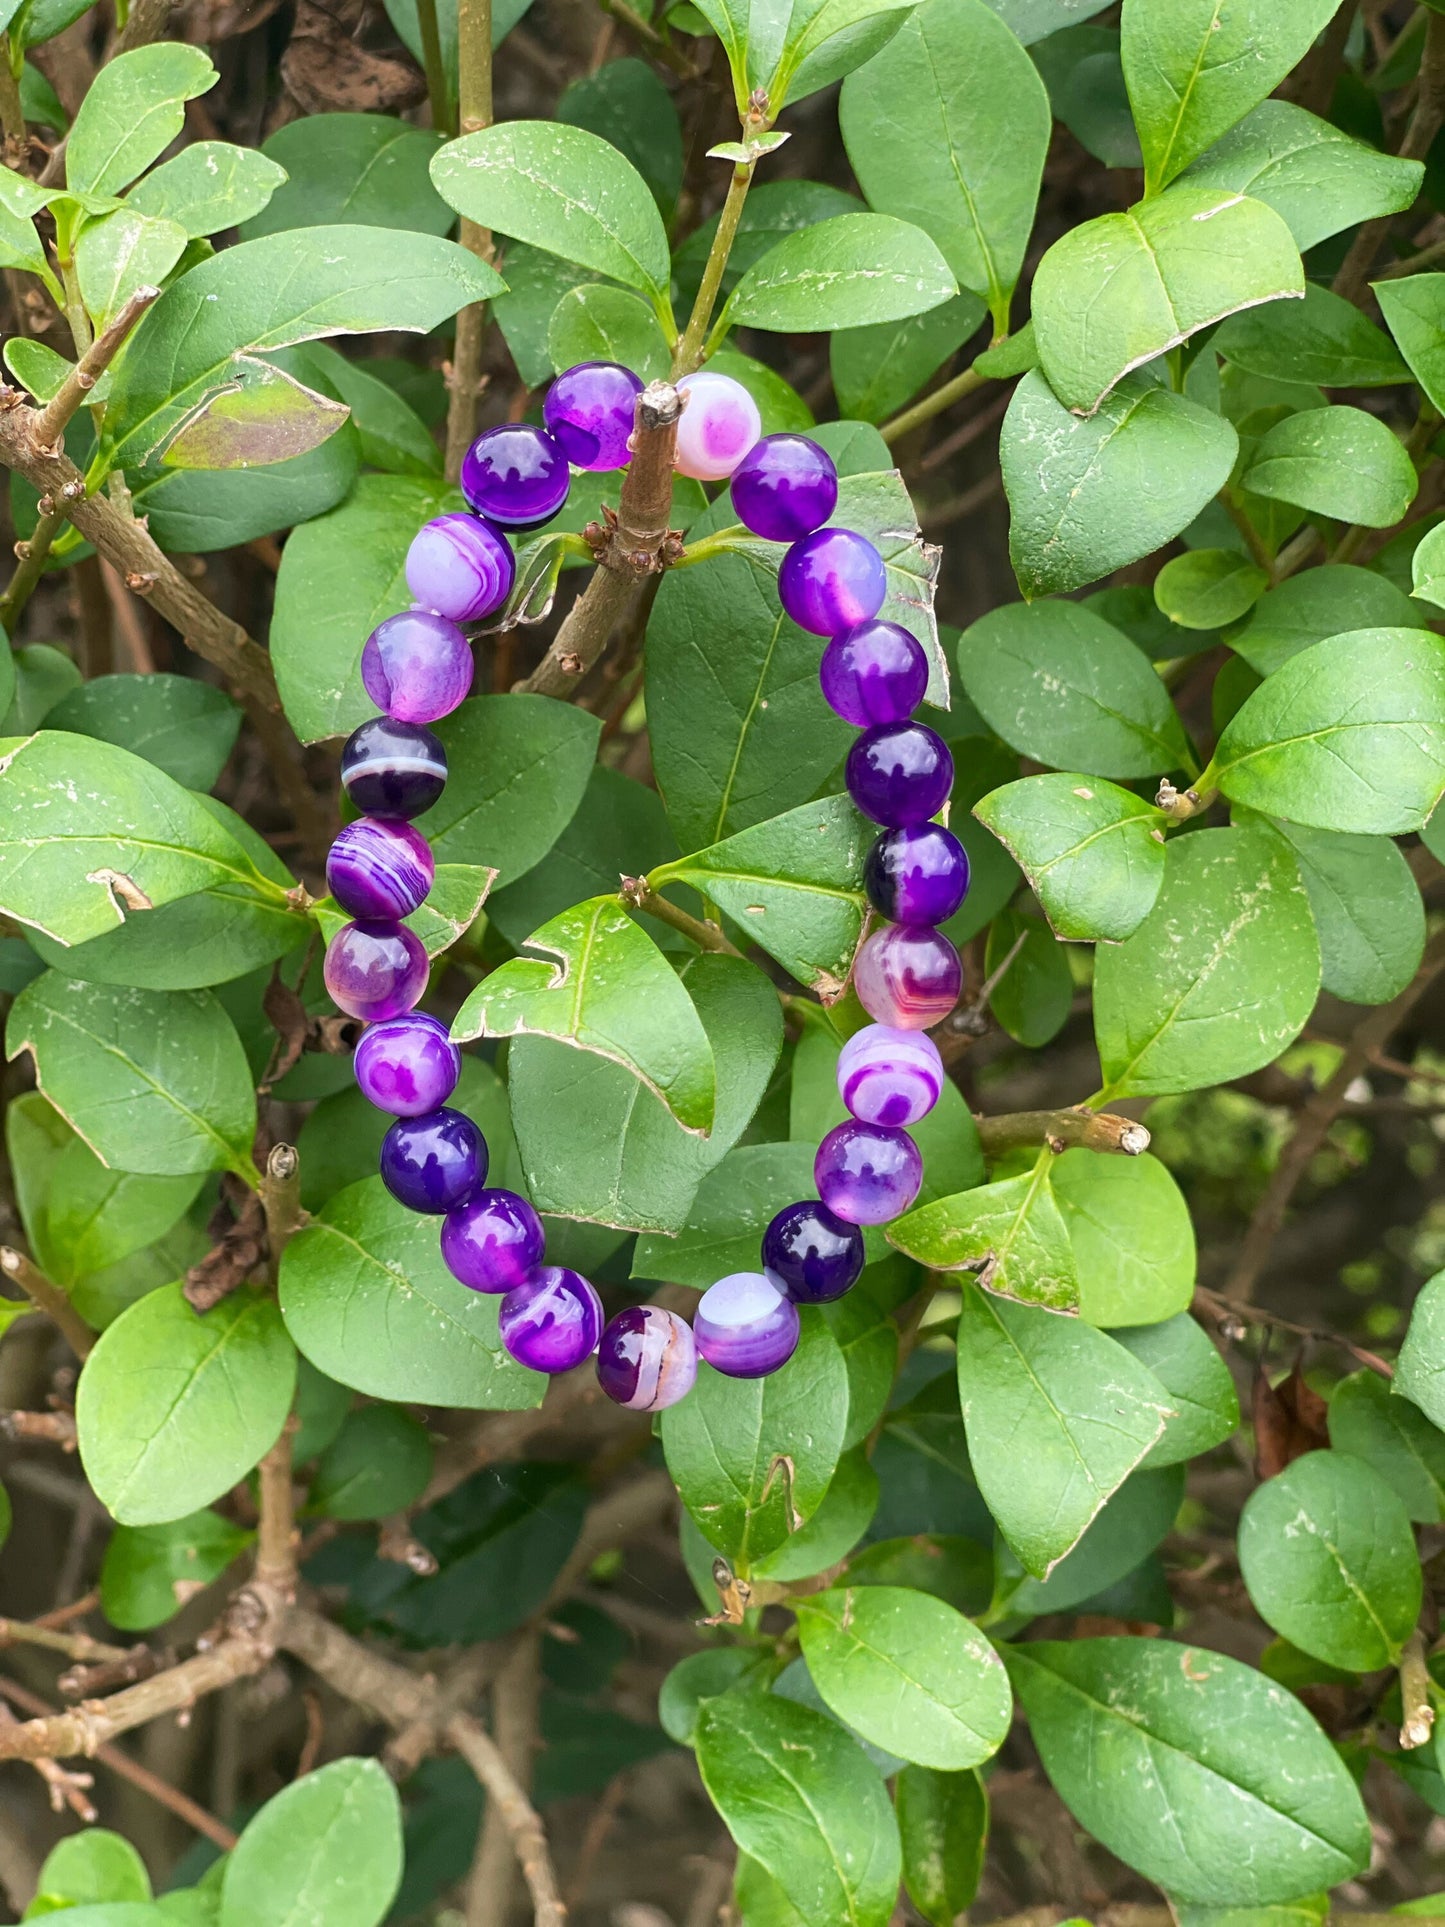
(1335, 461)
(943, 1822)
(1196, 1381)
(1420, 1371)
(93, 1865)
(122, 253)
(876, 370)
(1218, 978)
(1412, 307)
(1316, 603)
(1209, 588)
(150, 1572)
(1367, 910)
(1122, 1537)
(850, 272)
(732, 1209)
(172, 1409)
(1093, 853)
(392, 435)
(1132, 1237)
(1032, 998)
(1011, 1232)
(184, 726)
(362, 169)
(324, 1852)
(208, 186)
(1368, 1421)
(378, 1463)
(519, 766)
(835, 1528)
(132, 111)
(1323, 339)
(597, 322)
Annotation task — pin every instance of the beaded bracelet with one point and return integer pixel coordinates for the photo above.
(417, 667)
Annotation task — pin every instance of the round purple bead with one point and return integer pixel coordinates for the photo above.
(380, 868)
(717, 427)
(515, 475)
(493, 1240)
(590, 412)
(899, 773)
(416, 666)
(917, 875)
(435, 1162)
(460, 566)
(745, 1327)
(647, 1359)
(907, 977)
(375, 970)
(867, 1173)
(408, 1065)
(831, 581)
(393, 769)
(811, 1255)
(784, 487)
(876, 673)
(552, 1320)
(889, 1076)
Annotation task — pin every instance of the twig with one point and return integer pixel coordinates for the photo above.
(1430, 257)
(689, 350)
(1424, 125)
(474, 105)
(638, 894)
(514, 1721)
(276, 1534)
(1089, 1130)
(281, 1200)
(79, 1646)
(1232, 1317)
(49, 1428)
(1416, 1706)
(32, 555)
(518, 1815)
(431, 60)
(967, 432)
(66, 1788)
(1253, 540)
(48, 1298)
(50, 423)
(931, 405)
(958, 507)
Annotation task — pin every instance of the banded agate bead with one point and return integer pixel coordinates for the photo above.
(407, 1065)
(492, 1241)
(416, 666)
(647, 1359)
(889, 1076)
(552, 1320)
(375, 970)
(460, 566)
(745, 1327)
(810, 1254)
(866, 1173)
(435, 1162)
(379, 868)
(907, 977)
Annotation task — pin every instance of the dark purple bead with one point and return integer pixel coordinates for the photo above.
(408, 1065)
(375, 970)
(867, 1173)
(745, 1327)
(647, 1359)
(810, 1254)
(785, 487)
(552, 1320)
(493, 1240)
(876, 673)
(379, 868)
(416, 666)
(435, 1162)
(460, 566)
(831, 581)
(393, 769)
(917, 875)
(907, 977)
(516, 475)
(899, 773)
(590, 412)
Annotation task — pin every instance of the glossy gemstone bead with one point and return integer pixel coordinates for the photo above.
(831, 581)
(493, 1241)
(407, 1065)
(393, 769)
(416, 666)
(515, 475)
(552, 1320)
(460, 566)
(380, 868)
(375, 970)
(875, 673)
(907, 977)
(810, 1254)
(917, 875)
(718, 426)
(889, 1076)
(745, 1327)
(590, 412)
(899, 773)
(647, 1359)
(435, 1162)
(784, 487)
(866, 1173)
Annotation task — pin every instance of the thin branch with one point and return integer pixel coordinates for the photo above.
(51, 422)
(281, 1200)
(518, 1815)
(638, 894)
(48, 1298)
(474, 105)
(500, 1837)
(276, 1535)
(1233, 1318)
(1424, 125)
(1061, 1130)
(32, 555)
(689, 350)
(433, 67)
(66, 1787)
(1258, 548)
(931, 405)
(1417, 1708)
(77, 1646)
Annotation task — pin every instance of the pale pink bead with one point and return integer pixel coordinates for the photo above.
(718, 427)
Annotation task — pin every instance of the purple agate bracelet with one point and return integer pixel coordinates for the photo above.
(417, 667)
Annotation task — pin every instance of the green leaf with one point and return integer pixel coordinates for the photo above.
(1194, 69)
(43, 372)
(732, 1209)
(184, 726)
(272, 293)
(1196, 1381)
(908, 1672)
(1323, 339)
(150, 1572)
(195, 511)
(850, 272)
(362, 169)
(1123, 1536)
(611, 992)
(1132, 1237)
(1314, 175)
(1420, 1370)
(92, 1217)
(153, 1081)
(1412, 307)
(132, 111)
(1122, 289)
(1057, 1414)
(1093, 853)
(264, 416)
(1321, 602)
(597, 322)
(366, 1297)
(1011, 1232)
(519, 766)
(772, 209)
(1195, 1770)
(1328, 1555)
(949, 127)
(124, 252)
(1088, 496)
(1312, 1911)
(752, 1457)
(1369, 1422)
(562, 189)
(208, 186)
(1320, 746)
(173, 1409)
(1335, 461)
(325, 1852)
(1063, 686)
(1032, 999)
(94, 1865)
(626, 103)
(1367, 911)
(1209, 588)
(1218, 978)
(379, 1463)
(799, 1796)
(876, 370)
(836, 1527)
(943, 1821)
